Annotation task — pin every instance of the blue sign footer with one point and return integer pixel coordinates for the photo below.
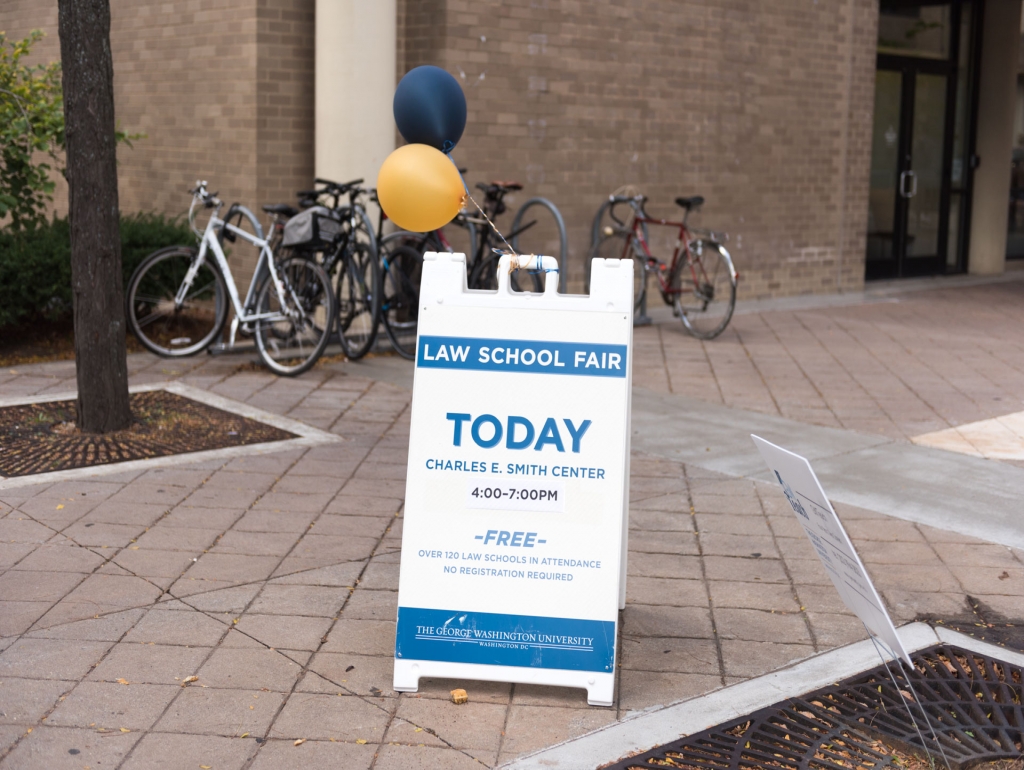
(505, 640)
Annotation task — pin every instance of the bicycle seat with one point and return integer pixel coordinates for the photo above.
(690, 203)
(281, 208)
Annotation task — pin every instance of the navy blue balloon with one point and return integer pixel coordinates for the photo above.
(430, 108)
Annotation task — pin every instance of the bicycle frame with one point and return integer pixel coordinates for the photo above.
(210, 242)
(682, 247)
(683, 238)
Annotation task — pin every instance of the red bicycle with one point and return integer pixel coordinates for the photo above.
(700, 281)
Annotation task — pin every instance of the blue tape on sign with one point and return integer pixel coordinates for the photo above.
(589, 359)
(505, 640)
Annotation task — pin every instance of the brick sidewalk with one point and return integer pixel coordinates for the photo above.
(272, 577)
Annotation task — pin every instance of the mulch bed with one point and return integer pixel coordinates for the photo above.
(41, 438)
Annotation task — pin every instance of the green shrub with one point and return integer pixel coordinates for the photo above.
(35, 263)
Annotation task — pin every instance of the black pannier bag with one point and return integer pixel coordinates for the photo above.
(314, 228)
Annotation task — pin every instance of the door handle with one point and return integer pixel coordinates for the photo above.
(913, 184)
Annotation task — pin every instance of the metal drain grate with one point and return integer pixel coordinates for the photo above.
(973, 703)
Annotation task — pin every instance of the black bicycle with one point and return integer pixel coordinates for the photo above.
(339, 234)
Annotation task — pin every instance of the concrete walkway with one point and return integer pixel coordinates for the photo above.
(271, 577)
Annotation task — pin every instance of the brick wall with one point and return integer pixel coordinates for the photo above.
(184, 74)
(285, 80)
(223, 90)
(763, 108)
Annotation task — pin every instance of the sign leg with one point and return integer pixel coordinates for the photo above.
(407, 676)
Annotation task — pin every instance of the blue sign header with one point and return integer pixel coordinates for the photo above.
(589, 359)
(505, 640)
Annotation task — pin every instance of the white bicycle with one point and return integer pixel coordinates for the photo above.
(177, 298)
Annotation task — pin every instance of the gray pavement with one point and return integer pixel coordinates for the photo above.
(272, 577)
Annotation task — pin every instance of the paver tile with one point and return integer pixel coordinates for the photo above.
(367, 637)
(113, 705)
(70, 748)
(255, 543)
(661, 565)
(751, 659)
(654, 620)
(350, 673)
(285, 599)
(25, 701)
(313, 755)
(344, 717)
(642, 689)
(163, 751)
(50, 658)
(163, 626)
(372, 605)
(165, 537)
(689, 656)
(250, 669)
(533, 727)
(18, 617)
(466, 726)
(761, 626)
(343, 575)
(428, 758)
(149, 663)
(60, 558)
(666, 591)
(215, 711)
(288, 632)
(106, 628)
(210, 596)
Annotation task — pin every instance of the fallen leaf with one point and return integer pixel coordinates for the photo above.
(234, 622)
(122, 681)
(361, 741)
(300, 741)
(205, 767)
(418, 730)
(60, 506)
(244, 735)
(30, 730)
(188, 680)
(125, 730)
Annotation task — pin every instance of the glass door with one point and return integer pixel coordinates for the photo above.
(917, 185)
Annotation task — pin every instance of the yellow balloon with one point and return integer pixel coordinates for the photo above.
(419, 188)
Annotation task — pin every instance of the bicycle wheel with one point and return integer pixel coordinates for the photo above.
(299, 326)
(706, 286)
(155, 318)
(399, 308)
(461, 236)
(359, 291)
(639, 285)
(538, 228)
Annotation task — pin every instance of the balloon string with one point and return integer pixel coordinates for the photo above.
(495, 228)
(482, 212)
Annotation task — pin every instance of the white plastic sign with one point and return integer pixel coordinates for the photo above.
(517, 480)
(814, 512)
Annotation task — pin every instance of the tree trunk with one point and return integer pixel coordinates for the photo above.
(100, 356)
